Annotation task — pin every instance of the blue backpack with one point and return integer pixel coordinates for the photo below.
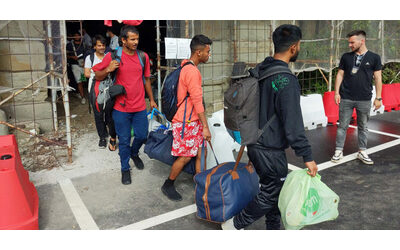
(169, 94)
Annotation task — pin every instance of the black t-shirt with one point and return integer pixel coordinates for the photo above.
(357, 81)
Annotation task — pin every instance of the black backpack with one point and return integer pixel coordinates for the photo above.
(242, 105)
(169, 96)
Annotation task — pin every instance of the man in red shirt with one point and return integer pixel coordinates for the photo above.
(195, 126)
(130, 108)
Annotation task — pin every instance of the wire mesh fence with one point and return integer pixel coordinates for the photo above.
(32, 56)
(247, 42)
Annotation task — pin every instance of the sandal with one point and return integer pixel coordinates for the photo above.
(112, 146)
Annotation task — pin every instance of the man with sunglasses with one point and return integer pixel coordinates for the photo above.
(353, 89)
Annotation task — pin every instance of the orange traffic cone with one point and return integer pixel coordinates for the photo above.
(19, 201)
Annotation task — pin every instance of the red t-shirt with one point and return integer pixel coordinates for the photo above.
(129, 75)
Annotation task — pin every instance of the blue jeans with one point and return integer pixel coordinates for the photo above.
(345, 112)
(124, 121)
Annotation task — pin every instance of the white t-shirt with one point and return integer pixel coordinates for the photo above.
(114, 42)
(88, 64)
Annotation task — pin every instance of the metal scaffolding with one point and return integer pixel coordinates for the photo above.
(33, 60)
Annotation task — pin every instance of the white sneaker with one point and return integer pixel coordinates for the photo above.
(83, 101)
(337, 156)
(363, 156)
(228, 225)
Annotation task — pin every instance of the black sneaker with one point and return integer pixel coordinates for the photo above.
(102, 143)
(171, 193)
(126, 177)
(138, 162)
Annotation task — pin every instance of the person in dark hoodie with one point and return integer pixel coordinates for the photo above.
(280, 95)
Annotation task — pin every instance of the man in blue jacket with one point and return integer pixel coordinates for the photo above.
(280, 95)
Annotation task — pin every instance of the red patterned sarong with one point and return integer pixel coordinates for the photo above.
(192, 139)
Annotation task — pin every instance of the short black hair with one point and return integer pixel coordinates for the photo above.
(357, 33)
(128, 28)
(285, 36)
(199, 41)
(99, 38)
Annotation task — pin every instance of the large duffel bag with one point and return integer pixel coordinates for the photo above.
(223, 191)
(159, 145)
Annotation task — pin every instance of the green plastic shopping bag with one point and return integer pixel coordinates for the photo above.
(306, 200)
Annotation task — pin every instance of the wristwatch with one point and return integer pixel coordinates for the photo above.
(379, 98)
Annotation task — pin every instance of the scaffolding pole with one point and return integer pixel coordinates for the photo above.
(235, 56)
(52, 80)
(186, 28)
(271, 45)
(158, 65)
(331, 54)
(64, 90)
(382, 30)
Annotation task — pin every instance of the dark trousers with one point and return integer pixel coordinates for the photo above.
(103, 118)
(272, 168)
(124, 122)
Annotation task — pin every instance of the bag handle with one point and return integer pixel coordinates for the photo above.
(155, 111)
(203, 154)
(234, 172)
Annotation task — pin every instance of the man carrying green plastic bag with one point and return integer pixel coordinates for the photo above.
(305, 201)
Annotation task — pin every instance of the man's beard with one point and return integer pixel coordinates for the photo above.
(294, 57)
(357, 49)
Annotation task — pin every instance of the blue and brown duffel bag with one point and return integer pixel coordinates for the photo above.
(223, 191)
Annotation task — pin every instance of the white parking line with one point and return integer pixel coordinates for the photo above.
(157, 220)
(77, 206)
(293, 167)
(175, 214)
(353, 156)
(378, 132)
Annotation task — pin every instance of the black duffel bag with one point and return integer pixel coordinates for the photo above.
(159, 145)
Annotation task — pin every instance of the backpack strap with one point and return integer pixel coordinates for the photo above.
(73, 47)
(117, 54)
(92, 58)
(270, 72)
(142, 59)
(187, 63)
(185, 100)
(273, 71)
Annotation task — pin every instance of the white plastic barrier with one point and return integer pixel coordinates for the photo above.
(312, 109)
(373, 111)
(219, 117)
(222, 142)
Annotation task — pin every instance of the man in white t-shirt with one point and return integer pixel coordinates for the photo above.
(113, 39)
(102, 115)
(99, 46)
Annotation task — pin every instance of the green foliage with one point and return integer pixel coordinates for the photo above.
(389, 73)
(314, 83)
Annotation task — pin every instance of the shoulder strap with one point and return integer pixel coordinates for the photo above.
(187, 94)
(117, 54)
(92, 58)
(187, 63)
(270, 72)
(73, 47)
(275, 70)
(142, 60)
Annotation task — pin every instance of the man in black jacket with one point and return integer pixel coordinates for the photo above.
(280, 95)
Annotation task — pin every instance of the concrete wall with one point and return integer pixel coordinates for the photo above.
(22, 62)
(252, 43)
